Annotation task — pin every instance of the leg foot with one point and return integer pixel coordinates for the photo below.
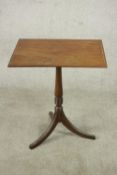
(72, 128)
(45, 134)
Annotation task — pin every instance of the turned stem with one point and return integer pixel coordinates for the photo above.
(58, 87)
(58, 83)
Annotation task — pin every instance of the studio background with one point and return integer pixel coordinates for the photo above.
(26, 94)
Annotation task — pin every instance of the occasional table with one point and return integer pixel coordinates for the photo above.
(58, 53)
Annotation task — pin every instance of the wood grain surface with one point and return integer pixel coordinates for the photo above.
(58, 53)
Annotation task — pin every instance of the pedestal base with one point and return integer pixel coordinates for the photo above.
(57, 117)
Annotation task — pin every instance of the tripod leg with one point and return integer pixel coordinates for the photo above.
(73, 129)
(46, 133)
(51, 114)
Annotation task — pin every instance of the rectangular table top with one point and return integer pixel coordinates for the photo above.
(58, 52)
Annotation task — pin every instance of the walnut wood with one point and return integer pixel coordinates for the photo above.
(51, 114)
(58, 53)
(58, 115)
(58, 83)
(75, 130)
(45, 134)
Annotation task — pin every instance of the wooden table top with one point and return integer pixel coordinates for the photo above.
(58, 52)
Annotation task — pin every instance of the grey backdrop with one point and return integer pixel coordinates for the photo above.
(26, 95)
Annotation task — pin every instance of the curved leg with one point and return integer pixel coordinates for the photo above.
(51, 114)
(45, 134)
(72, 128)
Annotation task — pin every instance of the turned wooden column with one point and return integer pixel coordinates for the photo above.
(58, 87)
(58, 83)
(58, 93)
